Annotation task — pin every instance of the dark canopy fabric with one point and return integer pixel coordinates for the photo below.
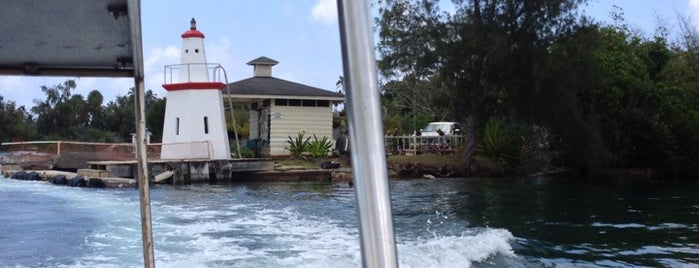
(68, 38)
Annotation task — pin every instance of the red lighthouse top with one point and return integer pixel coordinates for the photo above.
(193, 32)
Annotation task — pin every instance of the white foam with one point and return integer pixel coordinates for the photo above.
(618, 226)
(456, 251)
(252, 234)
(268, 237)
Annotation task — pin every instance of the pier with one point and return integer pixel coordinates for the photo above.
(117, 160)
(113, 165)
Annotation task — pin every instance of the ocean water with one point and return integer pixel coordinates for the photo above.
(524, 222)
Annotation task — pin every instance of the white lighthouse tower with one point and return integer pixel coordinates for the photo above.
(195, 125)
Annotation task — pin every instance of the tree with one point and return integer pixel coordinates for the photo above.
(94, 109)
(119, 115)
(155, 118)
(16, 122)
(483, 54)
(58, 111)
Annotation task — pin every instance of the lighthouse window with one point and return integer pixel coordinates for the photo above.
(177, 126)
(186, 51)
(196, 50)
(206, 125)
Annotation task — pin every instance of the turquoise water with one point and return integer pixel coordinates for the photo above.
(521, 222)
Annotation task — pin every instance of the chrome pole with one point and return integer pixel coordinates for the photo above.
(140, 117)
(366, 135)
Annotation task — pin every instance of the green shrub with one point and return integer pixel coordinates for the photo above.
(244, 151)
(297, 146)
(320, 148)
(302, 146)
(498, 145)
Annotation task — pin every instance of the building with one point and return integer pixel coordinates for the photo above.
(280, 109)
(195, 126)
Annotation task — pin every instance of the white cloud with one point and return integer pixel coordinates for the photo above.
(10, 83)
(693, 11)
(11, 89)
(86, 84)
(160, 56)
(119, 86)
(22, 89)
(325, 11)
(220, 51)
(153, 65)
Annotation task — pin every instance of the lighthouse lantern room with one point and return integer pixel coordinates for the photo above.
(195, 125)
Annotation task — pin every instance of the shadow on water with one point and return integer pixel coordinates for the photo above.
(565, 221)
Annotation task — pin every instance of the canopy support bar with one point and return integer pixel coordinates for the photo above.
(366, 135)
(140, 117)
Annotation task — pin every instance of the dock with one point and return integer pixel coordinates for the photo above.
(184, 171)
(113, 165)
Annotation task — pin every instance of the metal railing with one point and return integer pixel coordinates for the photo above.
(172, 72)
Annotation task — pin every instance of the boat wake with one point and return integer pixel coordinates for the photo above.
(224, 227)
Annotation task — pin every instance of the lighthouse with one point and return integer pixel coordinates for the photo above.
(195, 125)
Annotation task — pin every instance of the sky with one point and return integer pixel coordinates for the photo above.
(302, 35)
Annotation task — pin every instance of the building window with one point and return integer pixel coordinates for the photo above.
(281, 102)
(309, 103)
(177, 126)
(206, 125)
(293, 102)
(301, 102)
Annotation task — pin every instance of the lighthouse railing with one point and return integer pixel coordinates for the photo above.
(183, 73)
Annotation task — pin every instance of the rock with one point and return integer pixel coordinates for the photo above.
(19, 175)
(429, 177)
(33, 176)
(59, 180)
(77, 181)
(329, 164)
(95, 183)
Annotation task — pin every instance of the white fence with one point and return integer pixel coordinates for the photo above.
(412, 145)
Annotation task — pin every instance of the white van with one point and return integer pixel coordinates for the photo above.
(446, 128)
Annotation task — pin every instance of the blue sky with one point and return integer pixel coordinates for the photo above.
(301, 34)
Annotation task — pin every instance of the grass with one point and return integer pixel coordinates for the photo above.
(427, 159)
(442, 165)
(298, 162)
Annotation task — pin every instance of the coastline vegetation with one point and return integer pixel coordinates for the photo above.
(569, 91)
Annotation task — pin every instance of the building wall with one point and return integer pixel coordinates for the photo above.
(287, 121)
